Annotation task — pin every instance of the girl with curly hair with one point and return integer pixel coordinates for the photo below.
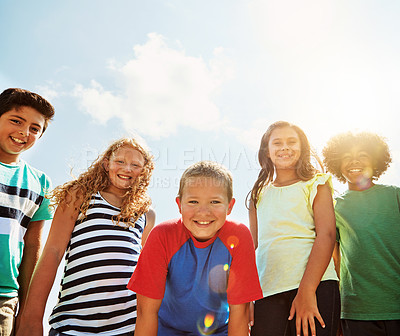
(292, 222)
(101, 221)
(367, 250)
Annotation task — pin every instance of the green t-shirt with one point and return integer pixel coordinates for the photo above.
(22, 200)
(368, 230)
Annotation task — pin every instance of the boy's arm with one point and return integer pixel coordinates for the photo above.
(238, 324)
(45, 272)
(31, 253)
(147, 316)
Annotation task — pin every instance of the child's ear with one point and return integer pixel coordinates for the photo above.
(230, 206)
(106, 164)
(178, 201)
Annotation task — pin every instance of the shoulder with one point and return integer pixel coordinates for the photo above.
(166, 238)
(39, 177)
(388, 188)
(233, 232)
(234, 226)
(168, 231)
(150, 215)
(34, 171)
(319, 178)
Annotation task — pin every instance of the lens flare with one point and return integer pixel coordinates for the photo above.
(233, 241)
(218, 278)
(208, 320)
(207, 326)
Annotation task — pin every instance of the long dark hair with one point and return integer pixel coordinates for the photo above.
(304, 168)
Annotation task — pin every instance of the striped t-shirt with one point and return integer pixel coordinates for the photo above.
(100, 259)
(22, 200)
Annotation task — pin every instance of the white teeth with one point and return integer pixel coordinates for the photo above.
(124, 177)
(18, 140)
(203, 223)
(355, 170)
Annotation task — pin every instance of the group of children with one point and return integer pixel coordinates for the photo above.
(200, 274)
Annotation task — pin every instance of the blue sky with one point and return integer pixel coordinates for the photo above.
(201, 79)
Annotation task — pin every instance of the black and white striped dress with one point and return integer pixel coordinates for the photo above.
(100, 260)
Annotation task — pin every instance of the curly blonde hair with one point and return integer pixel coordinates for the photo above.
(136, 201)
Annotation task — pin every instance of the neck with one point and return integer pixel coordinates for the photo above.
(361, 186)
(112, 197)
(9, 159)
(285, 177)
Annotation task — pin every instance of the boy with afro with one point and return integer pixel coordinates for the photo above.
(368, 235)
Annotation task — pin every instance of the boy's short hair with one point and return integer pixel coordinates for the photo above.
(372, 143)
(208, 169)
(14, 98)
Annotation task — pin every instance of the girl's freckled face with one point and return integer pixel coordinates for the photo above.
(124, 166)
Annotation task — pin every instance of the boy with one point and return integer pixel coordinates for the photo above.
(196, 272)
(24, 117)
(368, 233)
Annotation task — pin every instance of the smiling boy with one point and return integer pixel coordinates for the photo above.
(196, 275)
(24, 116)
(368, 235)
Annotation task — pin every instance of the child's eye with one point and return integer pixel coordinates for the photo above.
(15, 121)
(215, 202)
(192, 202)
(35, 130)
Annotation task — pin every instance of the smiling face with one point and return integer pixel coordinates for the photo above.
(357, 168)
(123, 167)
(284, 148)
(204, 205)
(19, 130)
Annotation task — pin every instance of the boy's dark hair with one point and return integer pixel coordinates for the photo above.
(372, 143)
(14, 98)
(211, 170)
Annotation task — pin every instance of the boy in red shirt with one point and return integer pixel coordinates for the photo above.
(196, 275)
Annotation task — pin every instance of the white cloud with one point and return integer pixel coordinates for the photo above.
(162, 89)
(49, 91)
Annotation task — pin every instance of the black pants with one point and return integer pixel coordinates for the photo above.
(271, 313)
(371, 328)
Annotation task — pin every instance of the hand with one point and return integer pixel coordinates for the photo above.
(27, 328)
(251, 314)
(304, 306)
(339, 331)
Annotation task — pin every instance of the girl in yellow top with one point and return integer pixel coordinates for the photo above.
(292, 222)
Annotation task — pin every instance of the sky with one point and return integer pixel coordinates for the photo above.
(201, 79)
